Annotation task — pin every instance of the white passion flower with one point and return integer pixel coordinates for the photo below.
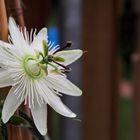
(36, 71)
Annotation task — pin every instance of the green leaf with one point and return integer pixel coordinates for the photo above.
(1, 137)
(17, 120)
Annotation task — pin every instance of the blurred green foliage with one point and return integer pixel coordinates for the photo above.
(125, 119)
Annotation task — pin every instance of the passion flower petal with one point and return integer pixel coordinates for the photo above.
(25, 65)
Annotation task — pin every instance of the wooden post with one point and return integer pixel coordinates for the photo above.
(100, 76)
(3, 21)
(3, 33)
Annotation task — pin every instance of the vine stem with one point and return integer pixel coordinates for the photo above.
(19, 13)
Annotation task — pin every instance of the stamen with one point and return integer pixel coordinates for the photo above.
(65, 67)
(50, 58)
(66, 70)
(53, 66)
(68, 45)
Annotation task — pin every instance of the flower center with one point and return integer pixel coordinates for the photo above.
(32, 68)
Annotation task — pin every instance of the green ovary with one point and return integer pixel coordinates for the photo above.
(32, 68)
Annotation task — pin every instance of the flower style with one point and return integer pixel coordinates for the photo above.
(35, 69)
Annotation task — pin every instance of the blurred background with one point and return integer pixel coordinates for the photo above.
(109, 71)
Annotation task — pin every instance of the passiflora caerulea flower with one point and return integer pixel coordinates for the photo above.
(36, 71)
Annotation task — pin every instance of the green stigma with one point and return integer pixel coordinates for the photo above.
(32, 68)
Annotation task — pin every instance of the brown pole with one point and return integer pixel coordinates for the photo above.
(3, 30)
(100, 70)
(3, 21)
(4, 36)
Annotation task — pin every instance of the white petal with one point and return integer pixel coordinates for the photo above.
(11, 103)
(16, 35)
(61, 84)
(5, 45)
(55, 102)
(5, 79)
(39, 114)
(6, 55)
(1, 64)
(69, 55)
(37, 42)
